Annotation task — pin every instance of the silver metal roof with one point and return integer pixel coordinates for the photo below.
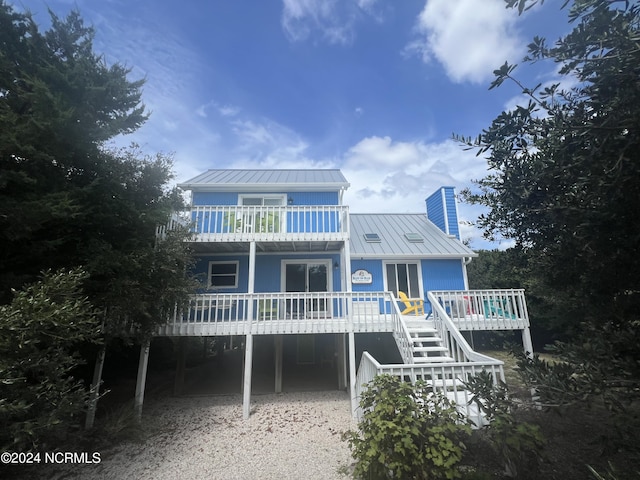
(268, 180)
(391, 229)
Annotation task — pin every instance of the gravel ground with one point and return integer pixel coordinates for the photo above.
(288, 436)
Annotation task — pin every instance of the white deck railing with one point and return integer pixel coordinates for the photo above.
(445, 378)
(277, 223)
(282, 313)
(484, 309)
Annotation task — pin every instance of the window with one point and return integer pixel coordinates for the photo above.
(371, 238)
(260, 200)
(414, 237)
(223, 274)
(403, 277)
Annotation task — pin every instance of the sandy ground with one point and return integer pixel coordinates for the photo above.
(288, 436)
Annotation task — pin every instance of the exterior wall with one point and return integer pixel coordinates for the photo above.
(297, 198)
(442, 275)
(268, 271)
(443, 211)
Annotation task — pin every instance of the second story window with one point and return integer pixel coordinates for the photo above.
(223, 274)
(262, 200)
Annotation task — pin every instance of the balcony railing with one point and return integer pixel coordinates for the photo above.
(232, 222)
(282, 313)
(484, 309)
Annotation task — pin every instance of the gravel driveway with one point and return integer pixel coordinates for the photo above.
(288, 436)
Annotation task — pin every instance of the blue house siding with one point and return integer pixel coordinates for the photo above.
(268, 271)
(313, 198)
(441, 210)
(442, 275)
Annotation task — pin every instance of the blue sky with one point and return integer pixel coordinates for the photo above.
(373, 87)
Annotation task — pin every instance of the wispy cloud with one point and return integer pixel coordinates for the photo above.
(334, 21)
(470, 38)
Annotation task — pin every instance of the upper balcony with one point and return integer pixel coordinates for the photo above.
(299, 223)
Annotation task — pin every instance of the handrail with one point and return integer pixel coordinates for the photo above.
(269, 219)
(447, 379)
(401, 333)
(500, 309)
(283, 312)
(457, 345)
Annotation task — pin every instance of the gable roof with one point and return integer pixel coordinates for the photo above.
(268, 180)
(391, 228)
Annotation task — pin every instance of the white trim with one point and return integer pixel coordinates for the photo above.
(279, 196)
(328, 262)
(444, 210)
(220, 262)
(407, 261)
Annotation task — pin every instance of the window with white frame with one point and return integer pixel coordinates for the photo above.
(262, 200)
(403, 277)
(223, 274)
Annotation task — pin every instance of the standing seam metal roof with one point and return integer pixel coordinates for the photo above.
(391, 229)
(324, 178)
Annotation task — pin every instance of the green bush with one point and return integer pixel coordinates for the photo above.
(40, 332)
(519, 445)
(407, 432)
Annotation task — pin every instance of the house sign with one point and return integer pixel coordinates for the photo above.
(361, 277)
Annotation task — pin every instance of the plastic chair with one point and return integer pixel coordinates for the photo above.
(413, 306)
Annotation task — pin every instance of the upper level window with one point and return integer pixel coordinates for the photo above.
(223, 274)
(262, 200)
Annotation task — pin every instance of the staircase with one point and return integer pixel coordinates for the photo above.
(427, 346)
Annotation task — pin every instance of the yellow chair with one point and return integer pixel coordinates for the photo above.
(413, 306)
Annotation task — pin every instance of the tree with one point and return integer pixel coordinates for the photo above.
(59, 103)
(40, 332)
(565, 184)
(66, 200)
(566, 175)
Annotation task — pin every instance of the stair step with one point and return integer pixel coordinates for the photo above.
(434, 348)
(426, 339)
(432, 359)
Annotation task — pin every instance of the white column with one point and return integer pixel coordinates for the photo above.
(251, 286)
(527, 343)
(142, 378)
(246, 386)
(352, 373)
(340, 346)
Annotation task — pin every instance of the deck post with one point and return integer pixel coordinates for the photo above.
(527, 343)
(142, 378)
(181, 364)
(94, 394)
(352, 372)
(246, 386)
(277, 339)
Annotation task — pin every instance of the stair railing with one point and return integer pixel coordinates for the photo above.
(458, 347)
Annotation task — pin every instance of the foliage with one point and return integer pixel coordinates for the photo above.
(40, 332)
(565, 170)
(518, 444)
(565, 185)
(67, 200)
(407, 431)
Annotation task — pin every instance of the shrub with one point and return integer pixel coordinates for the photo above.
(407, 431)
(519, 445)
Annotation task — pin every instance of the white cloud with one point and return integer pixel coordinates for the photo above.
(470, 38)
(333, 20)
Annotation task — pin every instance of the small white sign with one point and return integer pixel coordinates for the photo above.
(361, 276)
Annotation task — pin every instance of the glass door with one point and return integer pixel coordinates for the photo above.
(307, 277)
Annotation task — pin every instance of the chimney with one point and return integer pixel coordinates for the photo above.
(442, 210)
